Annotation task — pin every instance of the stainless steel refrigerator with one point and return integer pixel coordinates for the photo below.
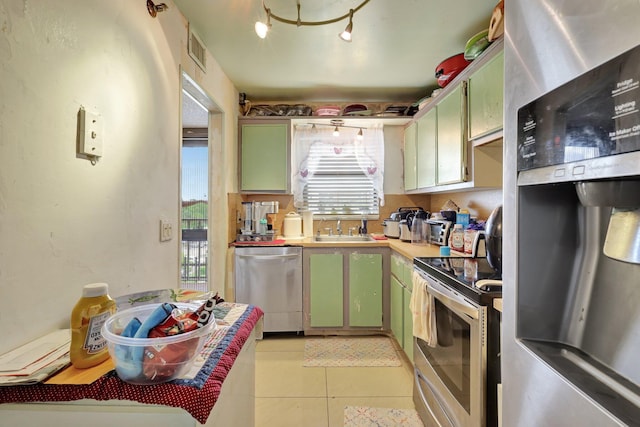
(571, 319)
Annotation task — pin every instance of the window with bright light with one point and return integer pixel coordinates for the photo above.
(339, 186)
(338, 175)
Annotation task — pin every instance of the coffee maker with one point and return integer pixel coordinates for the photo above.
(261, 210)
(256, 225)
(578, 233)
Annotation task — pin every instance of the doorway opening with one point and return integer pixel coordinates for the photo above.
(195, 173)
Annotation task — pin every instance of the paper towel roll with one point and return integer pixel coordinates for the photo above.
(307, 223)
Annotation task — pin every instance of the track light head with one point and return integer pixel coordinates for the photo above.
(346, 34)
(261, 28)
(153, 8)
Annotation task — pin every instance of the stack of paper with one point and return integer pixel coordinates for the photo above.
(36, 361)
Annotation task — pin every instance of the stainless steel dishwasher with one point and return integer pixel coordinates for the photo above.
(271, 278)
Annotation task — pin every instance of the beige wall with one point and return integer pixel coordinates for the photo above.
(479, 203)
(63, 221)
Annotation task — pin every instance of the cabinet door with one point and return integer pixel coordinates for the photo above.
(451, 153)
(264, 157)
(426, 149)
(486, 98)
(326, 290)
(407, 325)
(365, 289)
(408, 273)
(410, 134)
(397, 310)
(397, 266)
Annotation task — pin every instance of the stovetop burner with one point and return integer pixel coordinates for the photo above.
(473, 277)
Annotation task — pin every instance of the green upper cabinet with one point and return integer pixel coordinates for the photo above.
(365, 289)
(426, 153)
(451, 138)
(326, 290)
(264, 152)
(458, 135)
(410, 141)
(485, 98)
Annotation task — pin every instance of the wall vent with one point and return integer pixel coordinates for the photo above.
(197, 51)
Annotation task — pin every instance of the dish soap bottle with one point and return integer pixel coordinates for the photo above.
(88, 346)
(456, 239)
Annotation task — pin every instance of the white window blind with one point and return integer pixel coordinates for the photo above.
(338, 175)
(339, 185)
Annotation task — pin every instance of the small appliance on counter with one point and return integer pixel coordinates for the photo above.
(439, 230)
(256, 221)
(392, 226)
(405, 230)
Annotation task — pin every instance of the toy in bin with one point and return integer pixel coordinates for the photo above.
(156, 343)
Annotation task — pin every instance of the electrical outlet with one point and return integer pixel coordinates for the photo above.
(166, 231)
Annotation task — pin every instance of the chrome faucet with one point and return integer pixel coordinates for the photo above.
(339, 228)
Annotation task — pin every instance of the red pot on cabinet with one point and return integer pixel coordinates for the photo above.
(448, 69)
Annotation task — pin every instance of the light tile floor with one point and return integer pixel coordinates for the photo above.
(289, 394)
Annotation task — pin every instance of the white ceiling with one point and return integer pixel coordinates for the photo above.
(396, 46)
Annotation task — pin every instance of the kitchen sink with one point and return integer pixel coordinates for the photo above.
(342, 238)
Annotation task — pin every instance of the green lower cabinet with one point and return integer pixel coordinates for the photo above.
(326, 290)
(345, 289)
(365, 290)
(401, 317)
(397, 311)
(407, 329)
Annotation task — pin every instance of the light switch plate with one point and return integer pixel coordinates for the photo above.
(166, 230)
(90, 133)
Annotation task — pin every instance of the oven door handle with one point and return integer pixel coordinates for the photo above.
(456, 303)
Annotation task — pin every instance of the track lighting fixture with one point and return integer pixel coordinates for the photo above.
(153, 9)
(336, 124)
(262, 28)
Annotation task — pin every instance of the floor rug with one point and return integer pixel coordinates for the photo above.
(342, 351)
(363, 416)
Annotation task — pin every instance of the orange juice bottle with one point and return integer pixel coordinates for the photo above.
(88, 346)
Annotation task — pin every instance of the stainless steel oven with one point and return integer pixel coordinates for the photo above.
(451, 375)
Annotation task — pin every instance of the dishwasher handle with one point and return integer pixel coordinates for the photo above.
(268, 257)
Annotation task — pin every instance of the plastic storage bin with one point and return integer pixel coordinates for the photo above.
(153, 360)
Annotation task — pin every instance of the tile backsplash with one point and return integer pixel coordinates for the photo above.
(479, 203)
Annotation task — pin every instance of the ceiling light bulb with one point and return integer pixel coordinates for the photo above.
(336, 131)
(261, 29)
(360, 136)
(346, 34)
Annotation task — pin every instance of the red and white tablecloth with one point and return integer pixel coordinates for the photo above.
(196, 395)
